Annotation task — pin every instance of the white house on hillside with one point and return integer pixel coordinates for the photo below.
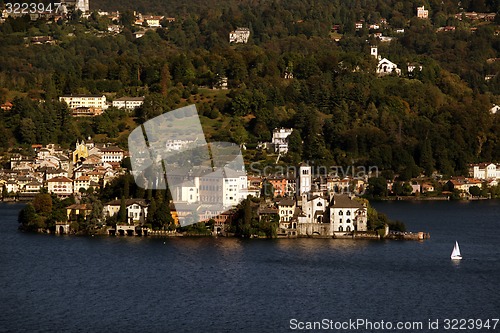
(384, 66)
(280, 141)
(128, 103)
(422, 13)
(85, 101)
(240, 35)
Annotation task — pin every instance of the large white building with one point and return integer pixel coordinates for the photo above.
(280, 141)
(484, 171)
(85, 101)
(347, 214)
(61, 186)
(111, 154)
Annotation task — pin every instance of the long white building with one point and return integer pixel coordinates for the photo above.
(85, 101)
(484, 171)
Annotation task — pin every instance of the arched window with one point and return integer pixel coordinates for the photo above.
(348, 221)
(348, 212)
(348, 229)
(341, 229)
(341, 213)
(319, 204)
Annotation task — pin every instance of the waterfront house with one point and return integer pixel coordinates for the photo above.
(137, 210)
(286, 210)
(12, 186)
(463, 184)
(75, 210)
(427, 187)
(347, 214)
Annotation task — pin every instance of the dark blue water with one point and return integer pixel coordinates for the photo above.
(112, 284)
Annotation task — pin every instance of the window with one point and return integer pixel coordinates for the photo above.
(341, 229)
(341, 213)
(348, 212)
(348, 221)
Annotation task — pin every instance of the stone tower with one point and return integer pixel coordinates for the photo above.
(305, 178)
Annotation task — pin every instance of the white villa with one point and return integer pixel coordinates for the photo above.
(347, 214)
(240, 35)
(484, 171)
(280, 141)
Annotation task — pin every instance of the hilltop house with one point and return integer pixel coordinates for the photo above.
(240, 35)
(384, 66)
(85, 101)
(280, 141)
(422, 13)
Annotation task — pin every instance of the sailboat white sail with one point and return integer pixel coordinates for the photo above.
(455, 254)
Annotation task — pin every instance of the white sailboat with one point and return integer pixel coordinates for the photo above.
(455, 254)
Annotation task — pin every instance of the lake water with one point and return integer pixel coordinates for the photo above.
(124, 284)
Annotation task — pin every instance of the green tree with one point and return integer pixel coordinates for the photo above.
(43, 204)
(475, 191)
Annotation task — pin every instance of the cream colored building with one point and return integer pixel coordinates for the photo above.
(61, 186)
(85, 101)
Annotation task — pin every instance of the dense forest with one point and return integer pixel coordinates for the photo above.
(436, 119)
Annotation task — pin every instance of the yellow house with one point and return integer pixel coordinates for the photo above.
(74, 210)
